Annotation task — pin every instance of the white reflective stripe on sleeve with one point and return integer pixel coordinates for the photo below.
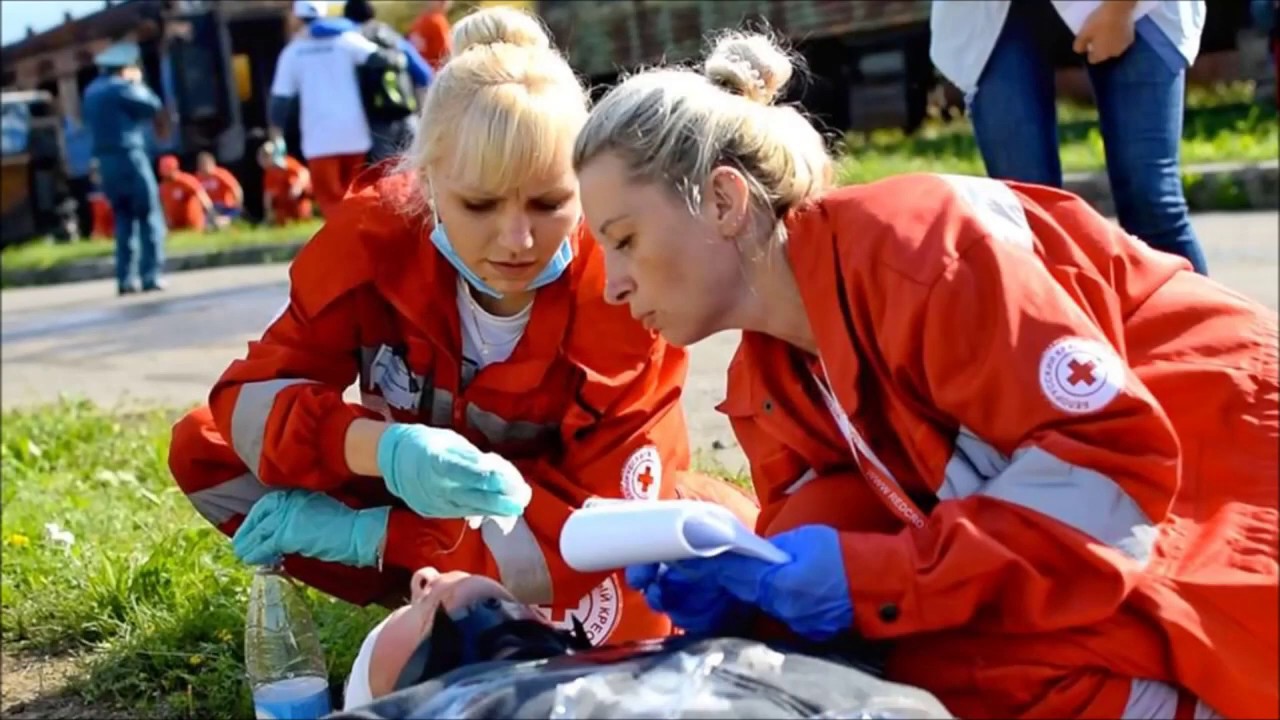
(801, 481)
(441, 414)
(973, 462)
(996, 207)
(1084, 499)
(499, 430)
(222, 502)
(249, 419)
(1154, 700)
(522, 567)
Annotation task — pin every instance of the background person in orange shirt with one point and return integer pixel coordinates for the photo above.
(222, 188)
(186, 205)
(430, 33)
(103, 225)
(104, 221)
(286, 191)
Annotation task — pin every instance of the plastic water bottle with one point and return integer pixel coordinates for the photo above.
(282, 652)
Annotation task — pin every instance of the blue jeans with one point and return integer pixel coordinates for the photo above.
(130, 187)
(1140, 104)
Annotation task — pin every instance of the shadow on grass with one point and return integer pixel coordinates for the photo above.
(39, 685)
(173, 628)
(151, 595)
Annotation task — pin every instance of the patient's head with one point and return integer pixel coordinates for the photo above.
(466, 603)
(405, 628)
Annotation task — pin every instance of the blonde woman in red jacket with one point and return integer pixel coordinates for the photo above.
(1035, 456)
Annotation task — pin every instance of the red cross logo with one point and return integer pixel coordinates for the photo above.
(1080, 376)
(642, 474)
(645, 480)
(1080, 373)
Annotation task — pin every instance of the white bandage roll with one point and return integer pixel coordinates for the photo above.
(613, 535)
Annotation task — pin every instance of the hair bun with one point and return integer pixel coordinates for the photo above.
(749, 64)
(499, 25)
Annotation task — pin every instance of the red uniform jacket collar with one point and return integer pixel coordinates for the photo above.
(825, 288)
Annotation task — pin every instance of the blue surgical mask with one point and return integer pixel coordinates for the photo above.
(554, 269)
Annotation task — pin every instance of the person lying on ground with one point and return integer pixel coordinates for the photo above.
(466, 299)
(465, 647)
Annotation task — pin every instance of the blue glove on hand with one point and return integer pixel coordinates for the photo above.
(439, 473)
(700, 607)
(304, 522)
(810, 593)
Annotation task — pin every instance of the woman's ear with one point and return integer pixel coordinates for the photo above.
(729, 197)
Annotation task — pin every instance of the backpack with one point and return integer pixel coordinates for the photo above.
(386, 88)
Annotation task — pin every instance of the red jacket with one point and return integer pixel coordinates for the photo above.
(222, 187)
(180, 198)
(1068, 461)
(588, 404)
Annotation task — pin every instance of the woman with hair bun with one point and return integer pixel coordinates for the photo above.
(1033, 456)
(498, 390)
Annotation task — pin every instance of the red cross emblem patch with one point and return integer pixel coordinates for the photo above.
(1079, 375)
(642, 474)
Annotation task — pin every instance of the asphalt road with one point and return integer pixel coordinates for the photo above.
(80, 339)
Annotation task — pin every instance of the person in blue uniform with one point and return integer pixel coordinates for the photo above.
(118, 107)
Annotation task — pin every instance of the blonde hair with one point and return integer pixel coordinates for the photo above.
(502, 108)
(676, 125)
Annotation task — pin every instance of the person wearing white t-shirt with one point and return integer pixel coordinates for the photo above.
(997, 52)
(318, 68)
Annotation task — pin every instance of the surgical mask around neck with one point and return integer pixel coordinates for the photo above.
(554, 268)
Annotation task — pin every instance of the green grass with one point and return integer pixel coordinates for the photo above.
(153, 596)
(148, 591)
(1220, 125)
(43, 254)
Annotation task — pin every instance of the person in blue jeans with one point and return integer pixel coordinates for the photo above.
(1137, 55)
(117, 107)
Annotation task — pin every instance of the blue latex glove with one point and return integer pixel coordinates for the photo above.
(810, 593)
(312, 524)
(699, 606)
(439, 473)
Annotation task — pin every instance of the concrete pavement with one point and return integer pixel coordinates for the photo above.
(80, 339)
